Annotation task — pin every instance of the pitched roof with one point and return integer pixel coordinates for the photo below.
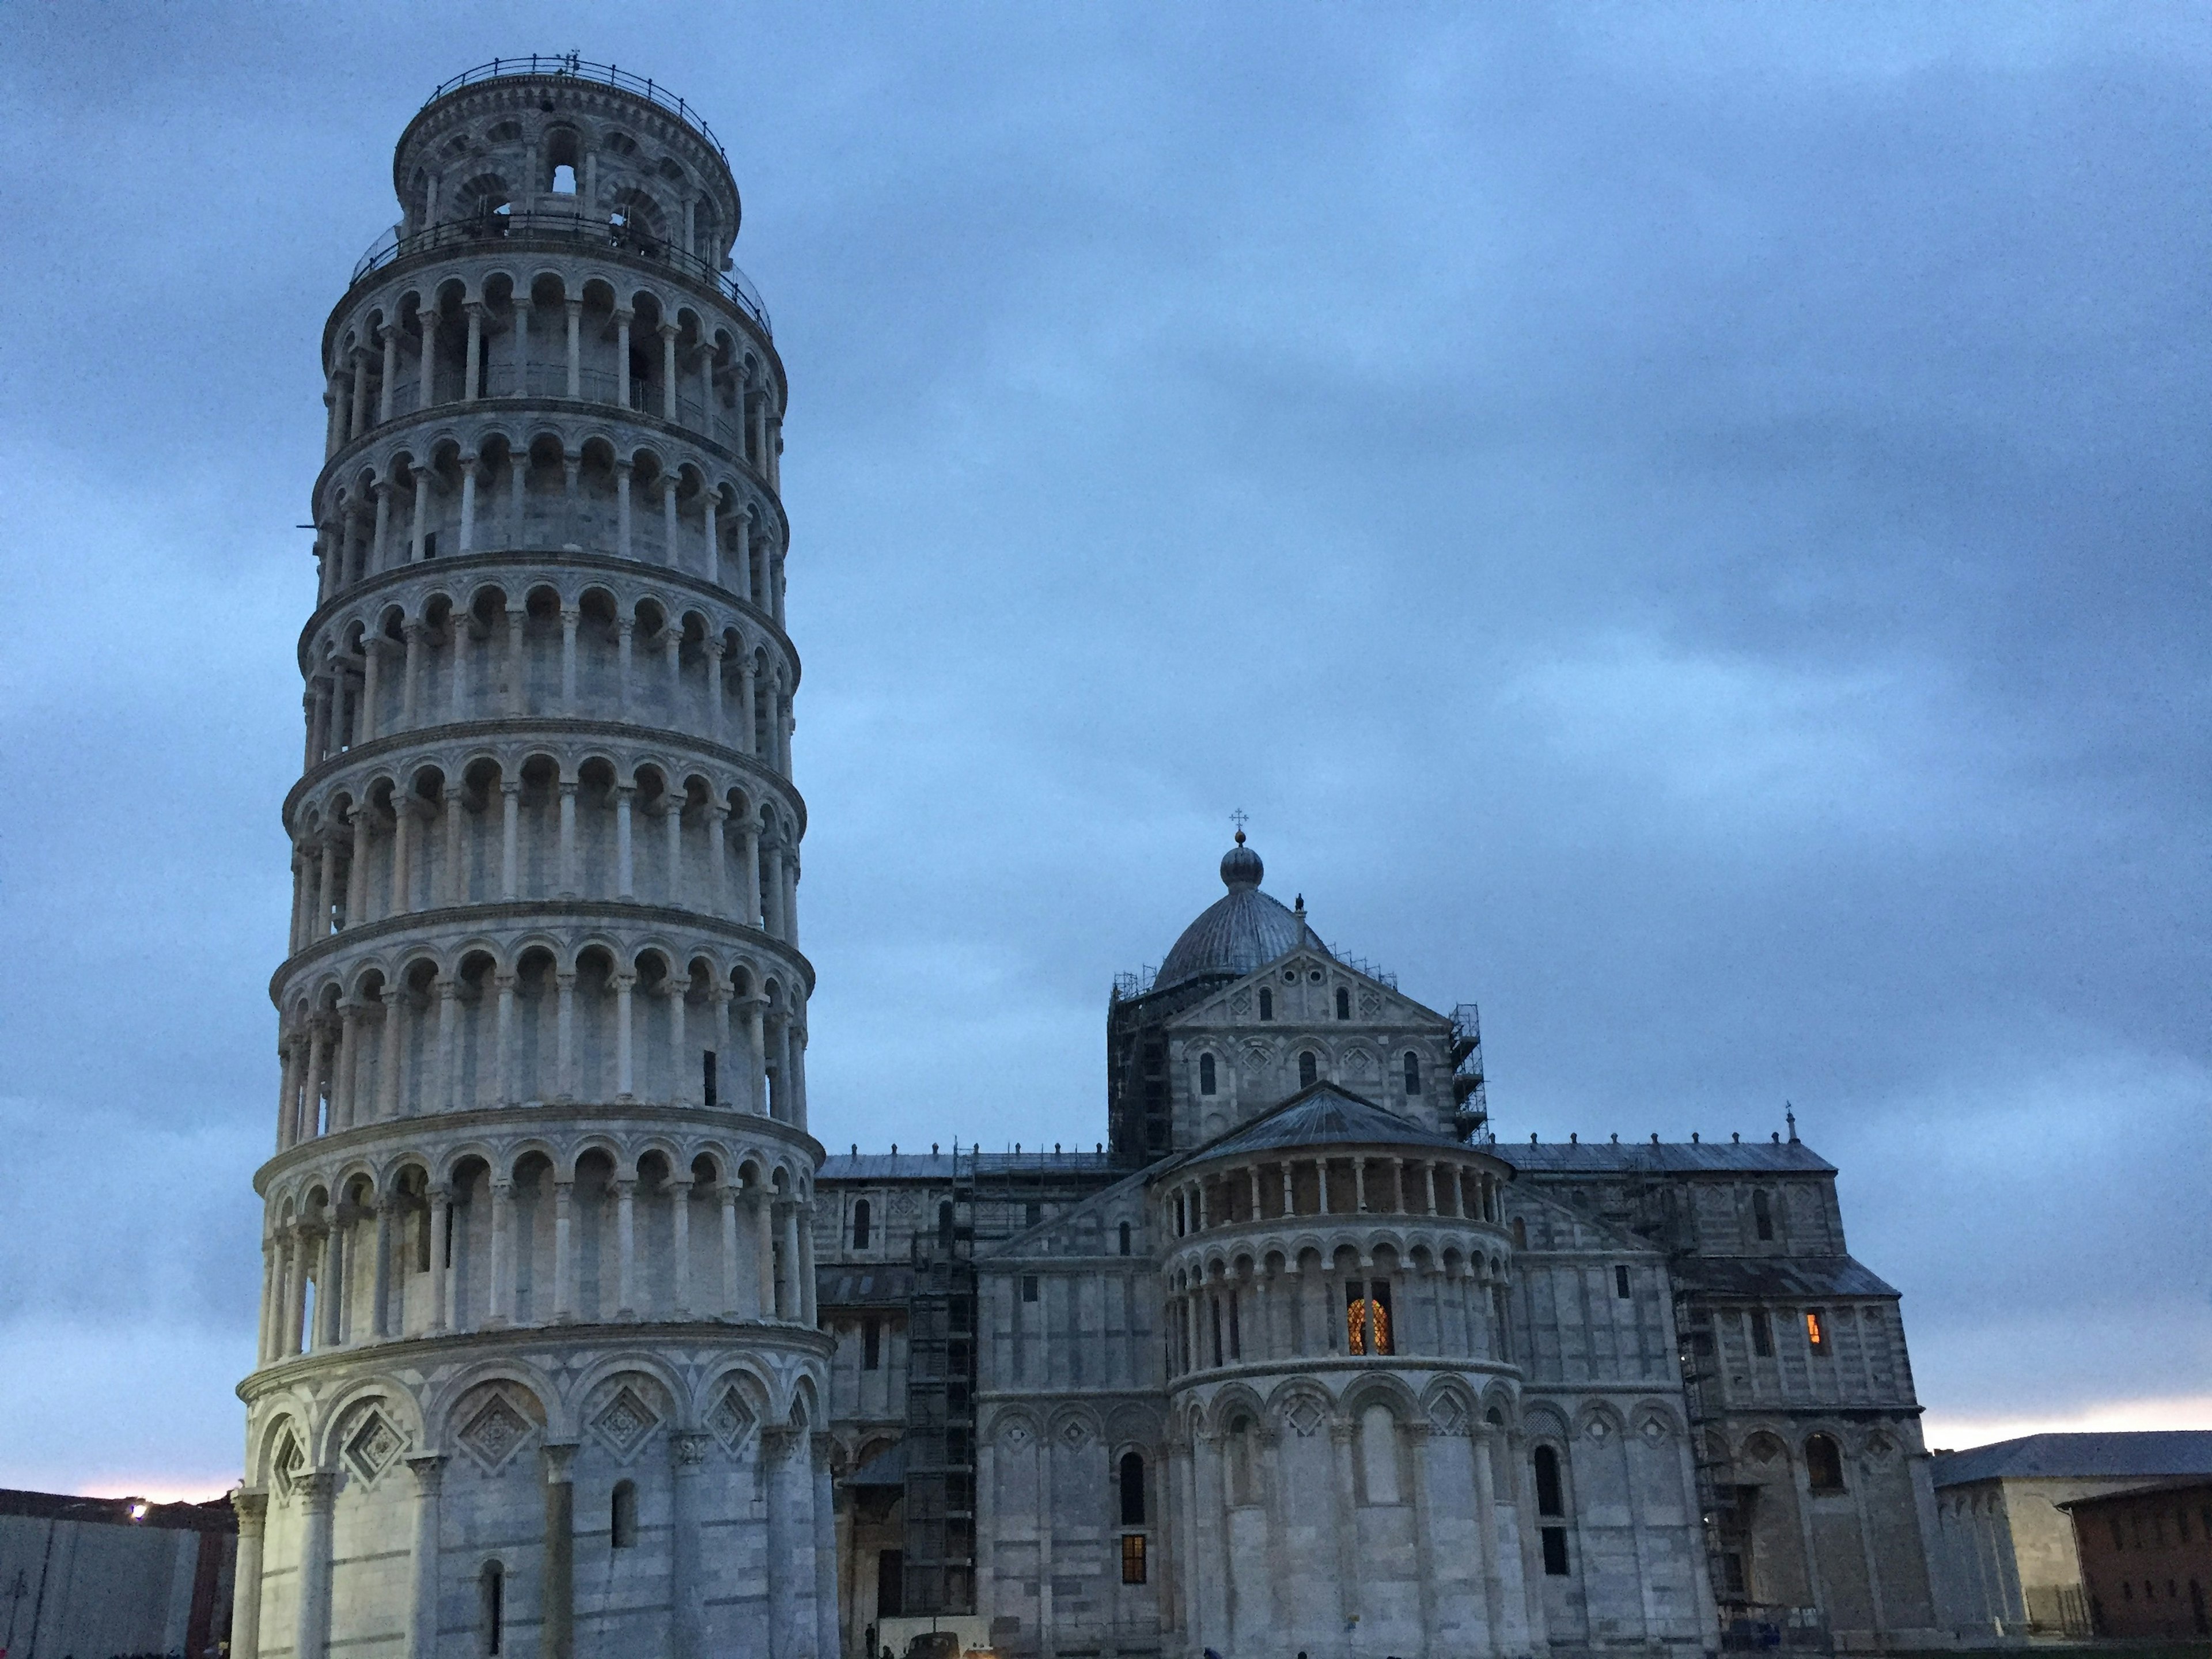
(1661, 1158)
(2150, 1453)
(1758, 1279)
(1322, 1115)
(941, 1166)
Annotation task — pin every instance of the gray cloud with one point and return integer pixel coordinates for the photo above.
(1681, 526)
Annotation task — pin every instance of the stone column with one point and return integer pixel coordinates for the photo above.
(1485, 1520)
(794, 1295)
(520, 306)
(827, 1644)
(510, 838)
(502, 1255)
(391, 372)
(1216, 1591)
(312, 1637)
(623, 316)
(687, 1456)
(625, 1084)
(566, 885)
(718, 856)
(564, 1060)
(379, 538)
(296, 1246)
(625, 857)
(421, 527)
(777, 1449)
(626, 1247)
(575, 347)
(679, 1225)
(669, 546)
(728, 1196)
(380, 1299)
(559, 1613)
(671, 812)
(756, 1055)
(441, 1233)
(1417, 1447)
(470, 467)
(564, 1252)
(518, 670)
(741, 551)
(710, 535)
(668, 333)
(428, 1469)
(508, 1093)
(570, 616)
(469, 368)
(765, 1250)
(445, 1082)
(622, 509)
(1340, 1436)
(252, 1506)
(387, 1057)
(342, 1065)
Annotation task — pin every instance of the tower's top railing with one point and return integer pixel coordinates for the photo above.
(567, 65)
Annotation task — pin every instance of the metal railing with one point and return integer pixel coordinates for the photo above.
(479, 230)
(567, 66)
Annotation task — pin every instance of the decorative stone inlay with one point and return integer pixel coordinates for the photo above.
(1241, 1004)
(625, 1423)
(1369, 1004)
(1304, 1414)
(731, 1419)
(1448, 1417)
(284, 1468)
(1075, 1434)
(494, 1432)
(373, 1446)
(1654, 1429)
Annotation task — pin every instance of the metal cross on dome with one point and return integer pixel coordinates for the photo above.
(1240, 817)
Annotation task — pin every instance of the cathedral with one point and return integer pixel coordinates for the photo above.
(573, 1340)
(1305, 1358)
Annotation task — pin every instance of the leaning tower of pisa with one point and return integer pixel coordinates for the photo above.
(538, 1372)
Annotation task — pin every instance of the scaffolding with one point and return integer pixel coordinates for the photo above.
(938, 1562)
(1470, 1094)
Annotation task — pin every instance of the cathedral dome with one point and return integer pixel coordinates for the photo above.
(1235, 933)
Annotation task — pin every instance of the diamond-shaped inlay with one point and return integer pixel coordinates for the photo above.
(373, 1446)
(1654, 1429)
(625, 1422)
(1075, 1434)
(284, 1468)
(1305, 1415)
(494, 1432)
(731, 1419)
(1369, 1004)
(1597, 1428)
(1448, 1417)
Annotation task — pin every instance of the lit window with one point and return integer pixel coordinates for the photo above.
(1622, 1287)
(1133, 1557)
(1367, 1317)
(1206, 1074)
(1816, 1330)
(1266, 1004)
(1309, 1069)
(1413, 1072)
(1824, 1464)
(1343, 1003)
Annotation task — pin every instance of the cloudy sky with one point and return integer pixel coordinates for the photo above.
(1686, 526)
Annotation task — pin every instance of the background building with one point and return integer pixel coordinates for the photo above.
(87, 1578)
(2007, 1544)
(538, 1372)
(1301, 1358)
(2146, 1559)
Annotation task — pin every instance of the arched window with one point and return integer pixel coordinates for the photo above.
(1243, 1458)
(1309, 1069)
(1125, 1238)
(1206, 1074)
(1551, 1495)
(1762, 1215)
(1132, 1490)
(494, 1586)
(1266, 1004)
(944, 1225)
(623, 1520)
(1367, 1317)
(1413, 1072)
(872, 1344)
(863, 1219)
(1343, 1003)
(1824, 1463)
